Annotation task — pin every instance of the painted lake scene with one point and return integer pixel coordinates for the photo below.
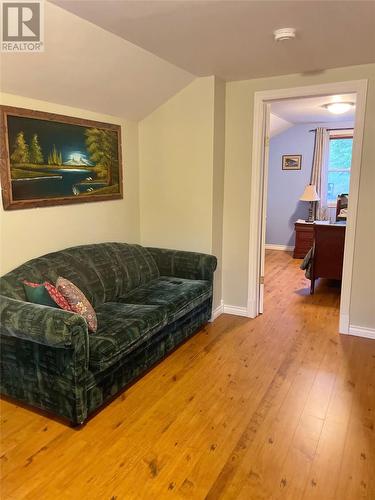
(50, 160)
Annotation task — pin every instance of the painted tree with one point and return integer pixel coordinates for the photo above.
(36, 155)
(55, 157)
(102, 147)
(21, 150)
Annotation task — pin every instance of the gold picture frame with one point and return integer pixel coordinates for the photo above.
(291, 162)
(52, 159)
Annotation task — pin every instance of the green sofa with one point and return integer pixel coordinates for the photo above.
(147, 301)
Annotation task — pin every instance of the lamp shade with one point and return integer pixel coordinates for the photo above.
(310, 193)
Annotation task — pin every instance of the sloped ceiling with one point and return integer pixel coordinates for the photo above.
(278, 125)
(233, 38)
(87, 67)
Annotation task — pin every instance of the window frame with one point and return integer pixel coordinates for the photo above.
(337, 134)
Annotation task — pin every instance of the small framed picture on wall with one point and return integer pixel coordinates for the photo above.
(291, 162)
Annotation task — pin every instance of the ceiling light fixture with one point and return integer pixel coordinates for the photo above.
(338, 108)
(284, 34)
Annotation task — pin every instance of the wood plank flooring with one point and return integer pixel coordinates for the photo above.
(280, 407)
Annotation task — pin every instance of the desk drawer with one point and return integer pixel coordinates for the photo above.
(301, 251)
(304, 240)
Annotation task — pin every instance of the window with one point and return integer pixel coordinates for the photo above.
(339, 163)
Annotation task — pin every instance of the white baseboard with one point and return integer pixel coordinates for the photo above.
(358, 331)
(226, 309)
(252, 309)
(285, 248)
(362, 331)
(344, 323)
(236, 310)
(216, 312)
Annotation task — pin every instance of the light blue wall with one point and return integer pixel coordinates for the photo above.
(286, 186)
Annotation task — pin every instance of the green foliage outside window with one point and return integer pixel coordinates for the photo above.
(340, 160)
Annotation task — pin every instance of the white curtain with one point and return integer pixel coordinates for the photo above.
(319, 171)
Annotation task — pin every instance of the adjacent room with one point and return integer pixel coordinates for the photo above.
(187, 231)
(308, 179)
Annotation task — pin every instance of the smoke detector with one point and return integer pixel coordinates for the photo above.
(284, 34)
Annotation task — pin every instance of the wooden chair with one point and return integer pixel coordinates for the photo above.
(329, 240)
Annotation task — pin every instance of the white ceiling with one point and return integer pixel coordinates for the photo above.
(86, 67)
(310, 110)
(233, 38)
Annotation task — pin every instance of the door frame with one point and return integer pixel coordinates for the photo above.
(264, 193)
(359, 87)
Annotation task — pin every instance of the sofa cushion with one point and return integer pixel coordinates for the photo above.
(121, 328)
(177, 295)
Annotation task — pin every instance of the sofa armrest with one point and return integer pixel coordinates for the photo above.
(182, 264)
(44, 357)
(42, 324)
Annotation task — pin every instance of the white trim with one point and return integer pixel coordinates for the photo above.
(362, 331)
(344, 323)
(236, 310)
(227, 309)
(252, 308)
(358, 331)
(255, 207)
(351, 221)
(264, 196)
(285, 248)
(341, 132)
(260, 99)
(219, 310)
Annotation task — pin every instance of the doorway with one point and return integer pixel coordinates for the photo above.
(259, 178)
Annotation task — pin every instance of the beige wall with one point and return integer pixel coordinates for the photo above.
(218, 186)
(182, 172)
(32, 232)
(239, 130)
(175, 144)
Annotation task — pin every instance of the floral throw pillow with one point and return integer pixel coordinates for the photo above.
(78, 302)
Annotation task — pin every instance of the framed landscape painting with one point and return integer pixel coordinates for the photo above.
(51, 159)
(291, 162)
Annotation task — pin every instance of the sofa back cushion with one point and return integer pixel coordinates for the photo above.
(103, 271)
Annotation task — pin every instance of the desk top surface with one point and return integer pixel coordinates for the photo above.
(322, 222)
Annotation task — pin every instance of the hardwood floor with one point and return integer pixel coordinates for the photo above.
(280, 407)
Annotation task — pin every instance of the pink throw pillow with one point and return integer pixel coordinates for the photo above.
(57, 297)
(77, 302)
